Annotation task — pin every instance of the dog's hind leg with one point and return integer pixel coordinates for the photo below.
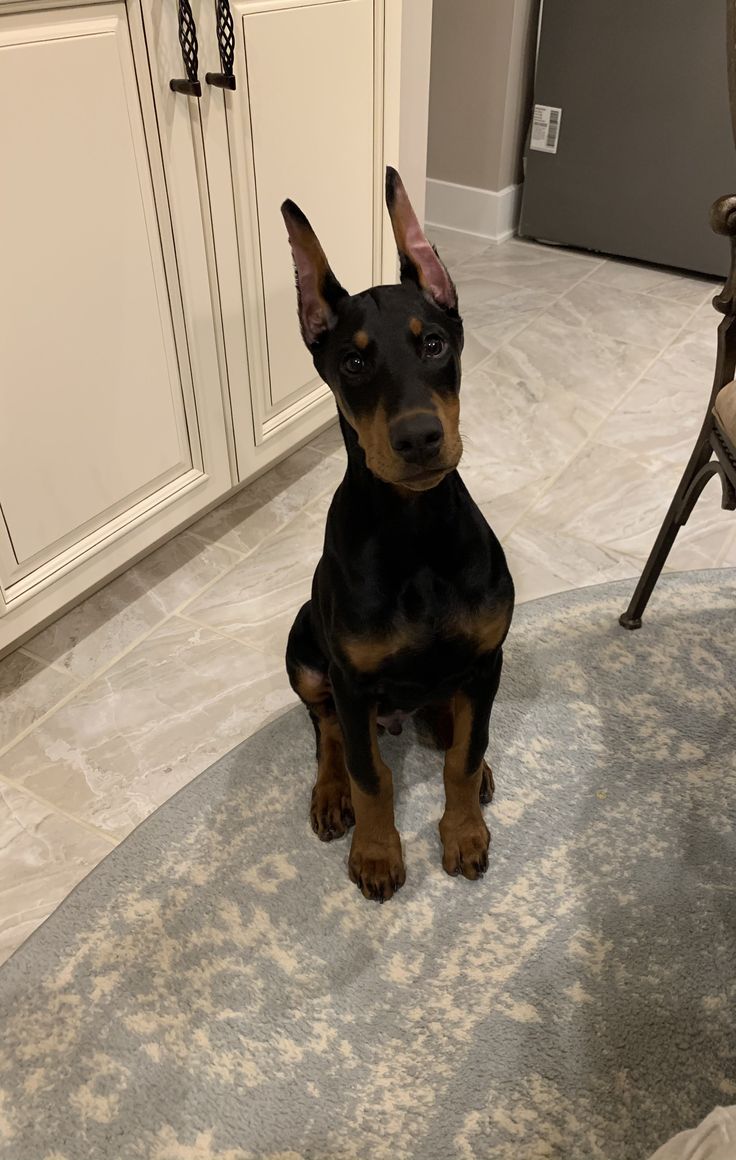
(331, 811)
(436, 723)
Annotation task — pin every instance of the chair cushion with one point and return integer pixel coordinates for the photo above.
(724, 410)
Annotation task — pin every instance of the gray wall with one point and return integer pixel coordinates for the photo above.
(481, 74)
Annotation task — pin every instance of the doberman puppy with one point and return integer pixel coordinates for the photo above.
(412, 599)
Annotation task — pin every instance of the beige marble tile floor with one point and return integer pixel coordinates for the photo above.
(585, 383)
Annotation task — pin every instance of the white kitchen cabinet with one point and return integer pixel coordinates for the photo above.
(319, 106)
(103, 449)
(314, 116)
(150, 358)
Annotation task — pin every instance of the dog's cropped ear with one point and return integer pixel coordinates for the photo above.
(418, 258)
(318, 290)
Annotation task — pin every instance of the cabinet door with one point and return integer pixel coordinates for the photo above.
(307, 122)
(310, 96)
(98, 427)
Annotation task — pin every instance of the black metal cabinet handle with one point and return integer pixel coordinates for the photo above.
(188, 42)
(226, 42)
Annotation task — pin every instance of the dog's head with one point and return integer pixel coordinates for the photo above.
(391, 354)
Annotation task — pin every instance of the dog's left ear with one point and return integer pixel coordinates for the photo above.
(419, 261)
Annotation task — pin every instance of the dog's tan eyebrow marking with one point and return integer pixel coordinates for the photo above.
(415, 326)
(360, 338)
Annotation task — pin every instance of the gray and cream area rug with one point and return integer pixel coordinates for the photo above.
(218, 990)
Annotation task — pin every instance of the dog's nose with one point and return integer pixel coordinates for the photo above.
(417, 439)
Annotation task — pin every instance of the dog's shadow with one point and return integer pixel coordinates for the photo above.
(416, 736)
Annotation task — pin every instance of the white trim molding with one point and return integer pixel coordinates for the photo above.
(489, 213)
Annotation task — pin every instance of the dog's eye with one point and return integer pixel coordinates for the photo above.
(353, 364)
(434, 346)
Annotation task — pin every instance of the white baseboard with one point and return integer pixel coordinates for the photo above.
(490, 213)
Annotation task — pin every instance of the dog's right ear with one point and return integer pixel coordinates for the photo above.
(318, 290)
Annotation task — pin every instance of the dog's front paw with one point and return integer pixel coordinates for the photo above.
(377, 867)
(331, 812)
(465, 842)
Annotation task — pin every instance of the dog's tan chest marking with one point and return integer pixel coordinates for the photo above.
(486, 628)
(368, 653)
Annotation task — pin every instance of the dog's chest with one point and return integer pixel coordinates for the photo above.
(431, 633)
(421, 602)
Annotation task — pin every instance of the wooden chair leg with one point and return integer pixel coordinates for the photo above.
(697, 473)
(701, 466)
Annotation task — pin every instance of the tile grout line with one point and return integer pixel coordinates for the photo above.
(532, 320)
(595, 430)
(599, 262)
(573, 286)
(221, 632)
(319, 458)
(80, 688)
(512, 338)
(592, 267)
(27, 651)
(57, 809)
(589, 441)
(98, 673)
(21, 787)
(114, 840)
(207, 543)
(255, 548)
(246, 555)
(318, 523)
(707, 294)
(82, 685)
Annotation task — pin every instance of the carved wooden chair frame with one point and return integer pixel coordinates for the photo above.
(714, 452)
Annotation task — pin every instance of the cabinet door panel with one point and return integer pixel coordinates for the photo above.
(92, 414)
(310, 83)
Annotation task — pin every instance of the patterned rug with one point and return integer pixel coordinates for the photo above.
(217, 989)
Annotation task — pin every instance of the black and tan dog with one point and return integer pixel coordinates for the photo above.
(412, 599)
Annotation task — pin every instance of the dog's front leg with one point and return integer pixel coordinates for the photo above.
(375, 862)
(464, 833)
